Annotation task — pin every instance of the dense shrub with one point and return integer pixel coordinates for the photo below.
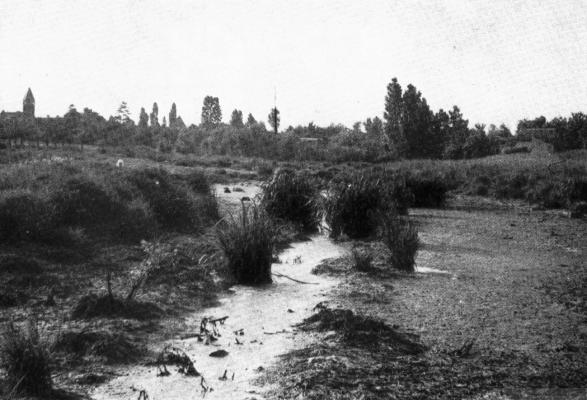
(401, 238)
(26, 361)
(81, 202)
(198, 182)
(172, 205)
(61, 203)
(247, 243)
(293, 197)
(24, 216)
(265, 169)
(427, 191)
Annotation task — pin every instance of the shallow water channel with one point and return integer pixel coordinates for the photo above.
(266, 315)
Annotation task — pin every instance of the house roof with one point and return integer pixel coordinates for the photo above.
(9, 114)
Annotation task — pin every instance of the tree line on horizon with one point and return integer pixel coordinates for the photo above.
(409, 129)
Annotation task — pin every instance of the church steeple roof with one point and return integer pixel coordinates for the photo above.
(29, 98)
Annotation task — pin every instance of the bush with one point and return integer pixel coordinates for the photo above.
(293, 197)
(362, 260)
(427, 191)
(81, 202)
(265, 169)
(26, 361)
(247, 243)
(401, 238)
(172, 205)
(24, 216)
(198, 182)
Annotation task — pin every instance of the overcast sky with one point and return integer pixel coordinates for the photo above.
(329, 61)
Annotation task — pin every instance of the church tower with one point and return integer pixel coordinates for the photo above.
(28, 105)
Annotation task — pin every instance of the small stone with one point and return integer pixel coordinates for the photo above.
(219, 353)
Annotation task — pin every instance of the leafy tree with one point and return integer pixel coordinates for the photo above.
(143, 119)
(274, 119)
(393, 117)
(172, 116)
(92, 124)
(457, 134)
(251, 120)
(211, 112)
(374, 127)
(72, 124)
(164, 124)
(236, 119)
(416, 122)
(123, 114)
(577, 127)
(154, 117)
(440, 128)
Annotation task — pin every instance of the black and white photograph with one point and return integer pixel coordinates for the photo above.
(293, 200)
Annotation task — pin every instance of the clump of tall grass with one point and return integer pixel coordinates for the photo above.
(361, 260)
(400, 236)
(353, 205)
(25, 358)
(293, 197)
(247, 243)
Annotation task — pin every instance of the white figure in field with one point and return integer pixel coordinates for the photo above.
(120, 163)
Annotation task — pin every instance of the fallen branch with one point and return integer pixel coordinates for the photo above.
(292, 279)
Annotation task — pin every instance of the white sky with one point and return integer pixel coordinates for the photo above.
(330, 61)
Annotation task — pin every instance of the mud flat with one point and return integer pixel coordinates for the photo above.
(506, 321)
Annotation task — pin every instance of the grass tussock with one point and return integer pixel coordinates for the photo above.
(294, 198)
(354, 204)
(247, 243)
(401, 238)
(25, 359)
(362, 260)
(359, 330)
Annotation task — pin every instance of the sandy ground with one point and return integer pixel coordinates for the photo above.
(507, 320)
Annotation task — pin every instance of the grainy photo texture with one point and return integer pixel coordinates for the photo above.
(272, 199)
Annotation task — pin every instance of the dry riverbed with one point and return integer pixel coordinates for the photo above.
(495, 311)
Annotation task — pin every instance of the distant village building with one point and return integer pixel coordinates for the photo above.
(28, 109)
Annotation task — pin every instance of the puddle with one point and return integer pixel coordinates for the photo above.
(266, 314)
